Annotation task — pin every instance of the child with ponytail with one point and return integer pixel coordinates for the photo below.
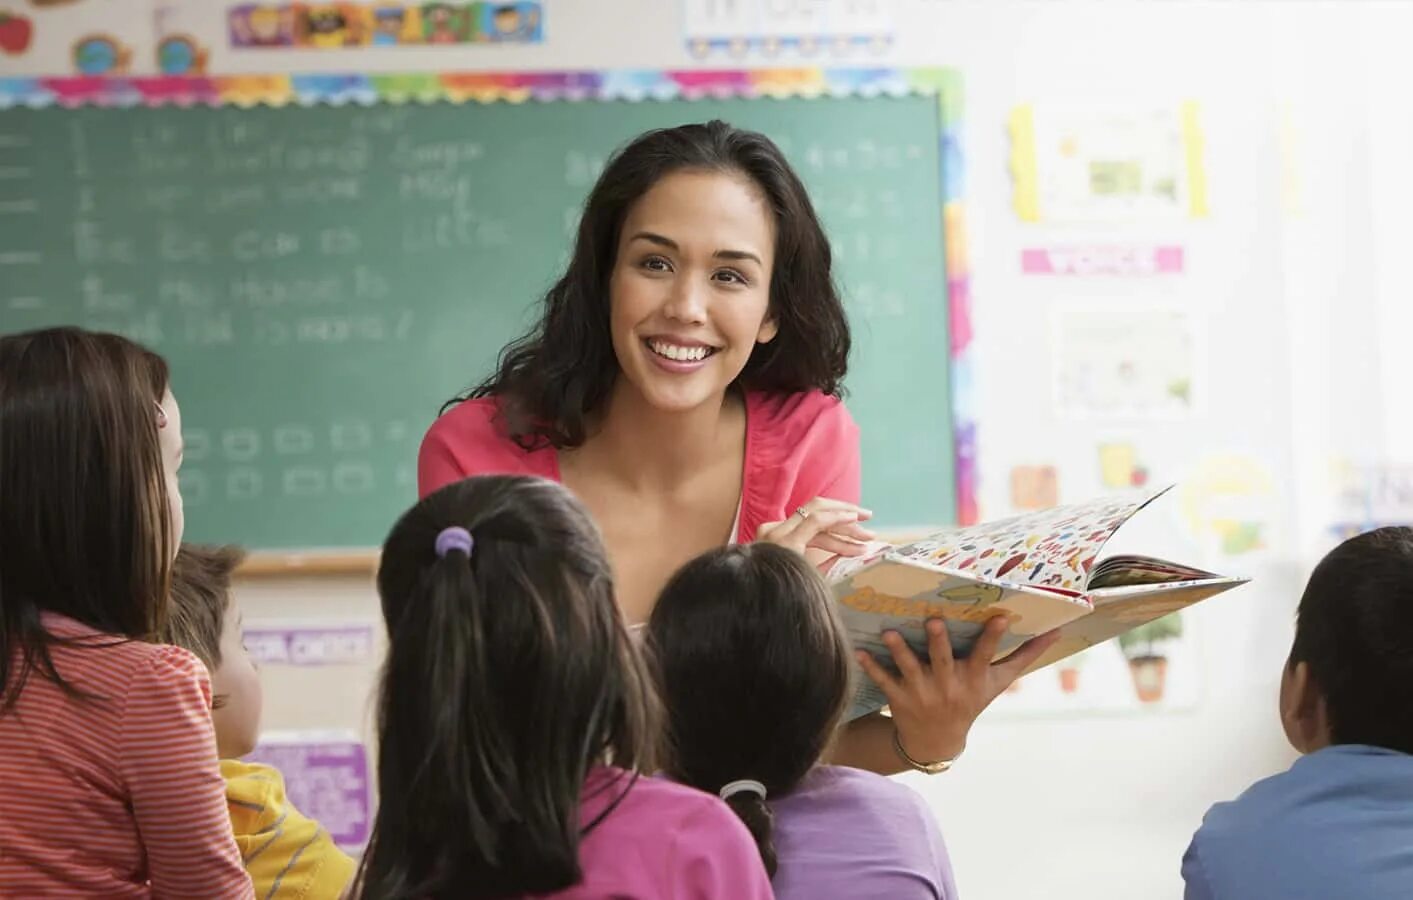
(753, 668)
(515, 716)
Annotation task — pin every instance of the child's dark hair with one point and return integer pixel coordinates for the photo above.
(553, 378)
(753, 668)
(510, 673)
(1355, 631)
(85, 525)
(201, 598)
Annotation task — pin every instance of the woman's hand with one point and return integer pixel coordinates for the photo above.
(934, 705)
(831, 527)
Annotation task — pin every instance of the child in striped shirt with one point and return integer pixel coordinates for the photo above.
(109, 783)
(287, 854)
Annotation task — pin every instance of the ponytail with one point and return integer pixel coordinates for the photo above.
(753, 810)
(753, 667)
(502, 688)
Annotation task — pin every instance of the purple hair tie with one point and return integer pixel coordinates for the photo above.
(454, 538)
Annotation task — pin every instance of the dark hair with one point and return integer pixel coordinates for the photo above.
(510, 673)
(201, 596)
(1355, 631)
(753, 669)
(552, 378)
(85, 529)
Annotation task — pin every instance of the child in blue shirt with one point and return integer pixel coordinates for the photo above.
(1339, 822)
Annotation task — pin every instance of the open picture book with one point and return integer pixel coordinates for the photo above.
(1042, 569)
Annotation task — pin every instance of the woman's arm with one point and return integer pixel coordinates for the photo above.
(933, 705)
(167, 754)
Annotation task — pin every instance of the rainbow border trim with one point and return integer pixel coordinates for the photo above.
(627, 84)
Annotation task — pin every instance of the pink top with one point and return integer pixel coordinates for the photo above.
(663, 840)
(119, 796)
(798, 447)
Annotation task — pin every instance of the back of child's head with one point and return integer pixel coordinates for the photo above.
(201, 599)
(1355, 632)
(509, 674)
(86, 530)
(753, 668)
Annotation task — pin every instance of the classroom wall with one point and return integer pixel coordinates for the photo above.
(1293, 271)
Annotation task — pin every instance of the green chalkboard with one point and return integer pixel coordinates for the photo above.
(322, 279)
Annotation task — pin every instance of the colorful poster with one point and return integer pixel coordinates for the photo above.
(326, 776)
(1080, 164)
(1370, 496)
(328, 644)
(330, 26)
(772, 27)
(1034, 487)
(1119, 466)
(1102, 260)
(1125, 364)
(1228, 503)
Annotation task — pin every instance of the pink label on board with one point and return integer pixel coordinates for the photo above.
(1102, 260)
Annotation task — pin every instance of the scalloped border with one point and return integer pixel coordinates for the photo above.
(618, 84)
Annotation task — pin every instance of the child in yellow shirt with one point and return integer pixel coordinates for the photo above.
(287, 854)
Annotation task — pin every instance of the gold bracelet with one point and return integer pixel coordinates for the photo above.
(931, 768)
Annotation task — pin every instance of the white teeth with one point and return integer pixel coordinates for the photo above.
(680, 354)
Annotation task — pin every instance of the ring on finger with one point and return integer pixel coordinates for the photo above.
(802, 513)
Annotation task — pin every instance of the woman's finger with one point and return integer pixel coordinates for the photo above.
(990, 641)
(797, 531)
(819, 504)
(939, 647)
(831, 542)
(887, 682)
(903, 657)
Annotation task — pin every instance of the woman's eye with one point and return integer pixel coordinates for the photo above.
(656, 264)
(731, 276)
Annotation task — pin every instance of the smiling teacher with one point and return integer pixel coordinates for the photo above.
(684, 382)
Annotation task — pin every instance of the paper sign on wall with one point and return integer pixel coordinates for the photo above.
(326, 777)
(309, 645)
(769, 27)
(1102, 260)
(1125, 364)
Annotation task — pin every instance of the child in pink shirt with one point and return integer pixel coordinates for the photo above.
(515, 717)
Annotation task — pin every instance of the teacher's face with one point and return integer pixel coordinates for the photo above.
(690, 290)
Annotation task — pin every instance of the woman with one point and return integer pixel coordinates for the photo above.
(684, 382)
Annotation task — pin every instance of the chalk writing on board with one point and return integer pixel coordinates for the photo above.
(322, 190)
(305, 481)
(293, 439)
(410, 154)
(196, 444)
(92, 245)
(352, 436)
(240, 444)
(208, 329)
(353, 478)
(98, 299)
(244, 484)
(194, 487)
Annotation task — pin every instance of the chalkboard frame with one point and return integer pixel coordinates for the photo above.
(944, 84)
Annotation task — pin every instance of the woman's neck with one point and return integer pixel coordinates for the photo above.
(650, 449)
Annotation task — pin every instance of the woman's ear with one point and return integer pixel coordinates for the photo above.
(769, 328)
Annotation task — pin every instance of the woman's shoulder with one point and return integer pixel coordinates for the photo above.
(792, 415)
(471, 439)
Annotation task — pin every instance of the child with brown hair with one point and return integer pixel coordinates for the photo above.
(286, 853)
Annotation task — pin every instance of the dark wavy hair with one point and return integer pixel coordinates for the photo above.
(753, 666)
(85, 527)
(509, 674)
(552, 378)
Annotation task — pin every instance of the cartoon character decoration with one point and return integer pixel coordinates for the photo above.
(517, 23)
(179, 54)
(391, 25)
(261, 25)
(15, 33)
(327, 25)
(100, 54)
(444, 23)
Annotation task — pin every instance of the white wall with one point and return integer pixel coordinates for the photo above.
(1295, 268)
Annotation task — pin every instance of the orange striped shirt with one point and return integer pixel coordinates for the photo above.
(118, 797)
